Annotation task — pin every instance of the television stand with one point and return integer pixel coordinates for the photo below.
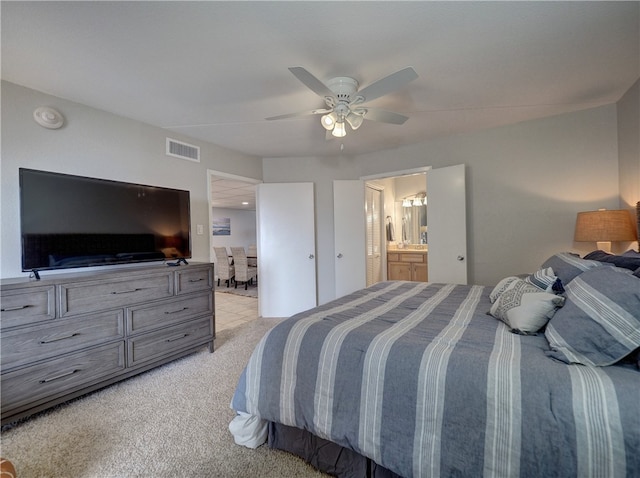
(70, 334)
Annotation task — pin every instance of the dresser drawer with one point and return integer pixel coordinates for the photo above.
(146, 317)
(23, 346)
(166, 312)
(82, 297)
(193, 280)
(62, 375)
(155, 345)
(27, 306)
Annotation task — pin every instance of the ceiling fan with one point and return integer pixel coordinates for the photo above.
(345, 104)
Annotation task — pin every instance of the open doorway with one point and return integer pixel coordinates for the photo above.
(232, 218)
(399, 227)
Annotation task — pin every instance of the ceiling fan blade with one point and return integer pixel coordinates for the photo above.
(311, 82)
(297, 115)
(395, 81)
(383, 116)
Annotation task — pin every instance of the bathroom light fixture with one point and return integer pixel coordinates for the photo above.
(419, 199)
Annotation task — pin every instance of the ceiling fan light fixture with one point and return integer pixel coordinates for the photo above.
(328, 121)
(339, 131)
(354, 120)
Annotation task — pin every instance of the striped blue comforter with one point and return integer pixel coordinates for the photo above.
(417, 377)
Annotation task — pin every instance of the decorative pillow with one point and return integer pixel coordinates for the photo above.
(626, 261)
(501, 287)
(524, 307)
(600, 321)
(544, 279)
(567, 265)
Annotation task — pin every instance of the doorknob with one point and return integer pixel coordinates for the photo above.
(340, 255)
(461, 258)
(311, 256)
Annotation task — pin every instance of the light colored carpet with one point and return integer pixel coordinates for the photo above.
(171, 421)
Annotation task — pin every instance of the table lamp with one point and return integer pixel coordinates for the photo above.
(604, 227)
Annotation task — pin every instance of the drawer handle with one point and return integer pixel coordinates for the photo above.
(168, 312)
(59, 338)
(126, 291)
(196, 280)
(11, 309)
(56, 377)
(173, 339)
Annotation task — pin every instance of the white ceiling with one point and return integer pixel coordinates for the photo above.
(214, 70)
(232, 194)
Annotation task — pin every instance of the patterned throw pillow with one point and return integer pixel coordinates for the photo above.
(567, 266)
(544, 279)
(524, 307)
(501, 287)
(600, 321)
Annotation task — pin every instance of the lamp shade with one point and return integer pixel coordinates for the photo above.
(605, 226)
(339, 130)
(328, 121)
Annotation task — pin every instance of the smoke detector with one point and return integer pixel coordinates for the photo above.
(48, 117)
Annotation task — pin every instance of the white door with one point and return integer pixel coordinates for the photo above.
(349, 236)
(285, 215)
(447, 223)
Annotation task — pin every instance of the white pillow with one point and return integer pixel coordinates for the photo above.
(524, 307)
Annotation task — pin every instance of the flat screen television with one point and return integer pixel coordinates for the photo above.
(71, 221)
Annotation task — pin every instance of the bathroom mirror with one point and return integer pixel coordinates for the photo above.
(414, 224)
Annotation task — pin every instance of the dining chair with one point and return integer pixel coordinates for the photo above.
(252, 255)
(224, 270)
(244, 272)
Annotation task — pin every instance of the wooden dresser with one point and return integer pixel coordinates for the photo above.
(69, 334)
(407, 265)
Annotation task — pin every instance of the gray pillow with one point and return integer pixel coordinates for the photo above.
(600, 321)
(626, 260)
(567, 266)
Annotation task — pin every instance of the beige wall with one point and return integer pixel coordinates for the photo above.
(629, 149)
(99, 144)
(525, 184)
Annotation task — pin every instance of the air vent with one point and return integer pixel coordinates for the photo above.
(181, 150)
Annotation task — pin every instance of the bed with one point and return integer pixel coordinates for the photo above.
(537, 376)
